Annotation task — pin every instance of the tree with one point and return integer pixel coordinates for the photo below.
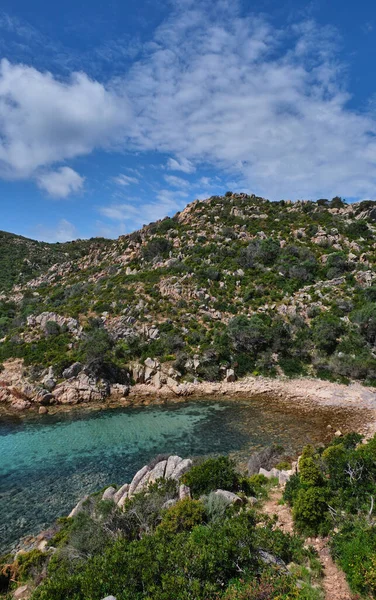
(326, 330)
(248, 335)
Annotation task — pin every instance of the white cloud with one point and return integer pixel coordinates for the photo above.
(265, 106)
(130, 215)
(63, 232)
(176, 182)
(44, 120)
(183, 165)
(125, 179)
(60, 183)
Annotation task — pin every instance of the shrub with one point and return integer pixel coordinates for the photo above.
(212, 474)
(326, 330)
(157, 247)
(183, 516)
(248, 335)
(310, 511)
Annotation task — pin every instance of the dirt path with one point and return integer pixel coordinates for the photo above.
(334, 582)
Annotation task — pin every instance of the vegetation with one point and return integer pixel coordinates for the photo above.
(334, 494)
(233, 282)
(200, 548)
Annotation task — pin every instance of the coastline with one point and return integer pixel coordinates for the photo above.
(303, 394)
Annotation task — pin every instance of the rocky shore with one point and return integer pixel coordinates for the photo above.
(154, 383)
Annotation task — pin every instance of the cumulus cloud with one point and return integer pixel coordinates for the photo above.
(44, 120)
(212, 88)
(60, 183)
(63, 232)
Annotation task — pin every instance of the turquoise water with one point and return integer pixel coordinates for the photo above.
(47, 463)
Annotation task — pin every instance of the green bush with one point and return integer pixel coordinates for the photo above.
(212, 474)
(310, 511)
(183, 516)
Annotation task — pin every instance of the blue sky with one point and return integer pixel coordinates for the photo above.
(116, 114)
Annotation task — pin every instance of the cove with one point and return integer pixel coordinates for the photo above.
(47, 463)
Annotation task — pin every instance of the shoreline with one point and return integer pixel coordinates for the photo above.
(308, 394)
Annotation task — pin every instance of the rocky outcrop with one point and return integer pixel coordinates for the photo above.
(282, 475)
(40, 322)
(173, 467)
(229, 497)
(78, 508)
(109, 493)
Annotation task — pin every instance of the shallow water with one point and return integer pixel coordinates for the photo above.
(47, 463)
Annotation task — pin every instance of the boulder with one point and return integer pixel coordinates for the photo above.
(230, 375)
(43, 410)
(156, 380)
(19, 404)
(72, 371)
(120, 492)
(172, 463)
(137, 478)
(109, 598)
(148, 374)
(47, 399)
(22, 593)
(265, 473)
(78, 508)
(119, 390)
(49, 384)
(270, 559)
(229, 496)
(138, 373)
(181, 468)
(153, 333)
(122, 500)
(284, 476)
(184, 492)
(158, 472)
(109, 493)
(151, 363)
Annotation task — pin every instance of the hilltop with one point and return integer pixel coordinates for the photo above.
(22, 259)
(230, 286)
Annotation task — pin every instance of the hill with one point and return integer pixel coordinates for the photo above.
(231, 285)
(22, 259)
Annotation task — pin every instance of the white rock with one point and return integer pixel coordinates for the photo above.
(181, 468)
(120, 492)
(78, 508)
(108, 494)
(158, 472)
(172, 463)
(137, 478)
(229, 496)
(184, 492)
(122, 500)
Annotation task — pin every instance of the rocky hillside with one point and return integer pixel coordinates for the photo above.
(22, 259)
(231, 285)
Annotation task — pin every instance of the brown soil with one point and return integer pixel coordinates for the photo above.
(334, 582)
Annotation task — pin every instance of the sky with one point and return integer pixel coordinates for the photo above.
(115, 114)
